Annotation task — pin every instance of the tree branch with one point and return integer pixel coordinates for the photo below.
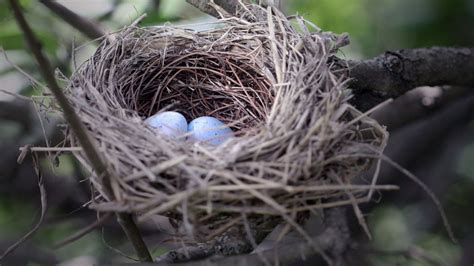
(393, 73)
(44, 207)
(28, 254)
(417, 104)
(79, 130)
(84, 231)
(228, 5)
(91, 29)
(334, 239)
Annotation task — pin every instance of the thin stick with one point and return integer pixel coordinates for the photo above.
(51, 149)
(87, 27)
(44, 207)
(84, 231)
(130, 228)
(428, 191)
(413, 252)
(295, 189)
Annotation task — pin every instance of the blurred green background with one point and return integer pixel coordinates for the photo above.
(374, 26)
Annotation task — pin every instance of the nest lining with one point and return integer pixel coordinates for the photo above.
(299, 144)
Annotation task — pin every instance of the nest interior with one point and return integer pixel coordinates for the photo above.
(299, 143)
(191, 77)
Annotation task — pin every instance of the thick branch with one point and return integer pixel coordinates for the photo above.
(334, 240)
(394, 73)
(87, 27)
(78, 128)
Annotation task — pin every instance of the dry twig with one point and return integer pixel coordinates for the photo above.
(84, 231)
(44, 207)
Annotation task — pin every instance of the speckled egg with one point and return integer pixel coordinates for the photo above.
(170, 124)
(210, 130)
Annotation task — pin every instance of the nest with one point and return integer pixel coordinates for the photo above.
(299, 143)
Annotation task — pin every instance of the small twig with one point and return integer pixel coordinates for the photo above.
(51, 149)
(28, 254)
(428, 191)
(91, 29)
(84, 231)
(79, 130)
(421, 184)
(116, 250)
(44, 207)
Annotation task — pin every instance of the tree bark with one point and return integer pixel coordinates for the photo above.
(393, 73)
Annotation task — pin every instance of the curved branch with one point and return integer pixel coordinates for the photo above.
(91, 29)
(36, 227)
(419, 104)
(83, 232)
(393, 73)
(94, 156)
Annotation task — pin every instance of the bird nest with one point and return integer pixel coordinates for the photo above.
(298, 146)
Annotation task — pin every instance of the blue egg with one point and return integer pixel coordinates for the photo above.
(170, 124)
(210, 130)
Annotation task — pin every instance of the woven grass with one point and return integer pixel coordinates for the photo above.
(299, 143)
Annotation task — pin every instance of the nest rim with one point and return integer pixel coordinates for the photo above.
(226, 181)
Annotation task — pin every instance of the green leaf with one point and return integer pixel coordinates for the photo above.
(10, 36)
(156, 18)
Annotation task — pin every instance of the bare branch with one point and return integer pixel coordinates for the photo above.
(78, 128)
(417, 104)
(334, 239)
(91, 29)
(84, 231)
(44, 207)
(394, 73)
(28, 254)
(228, 5)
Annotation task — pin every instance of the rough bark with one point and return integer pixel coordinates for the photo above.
(333, 240)
(393, 73)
